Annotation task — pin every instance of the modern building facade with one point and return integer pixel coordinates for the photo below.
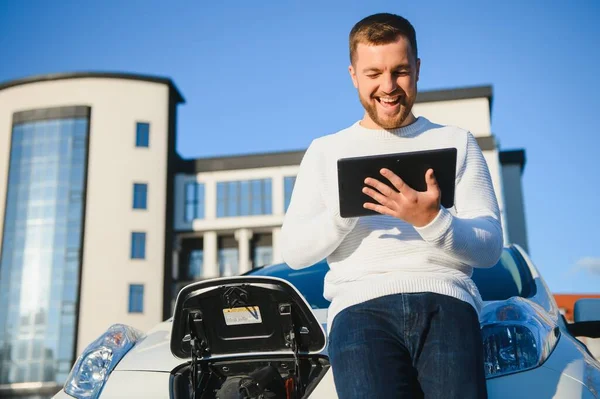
(102, 222)
(86, 167)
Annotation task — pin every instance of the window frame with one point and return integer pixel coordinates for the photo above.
(130, 304)
(145, 197)
(198, 202)
(133, 254)
(142, 143)
(231, 200)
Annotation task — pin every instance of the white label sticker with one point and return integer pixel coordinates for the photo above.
(245, 315)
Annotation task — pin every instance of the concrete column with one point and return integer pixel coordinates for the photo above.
(211, 265)
(210, 198)
(243, 237)
(276, 234)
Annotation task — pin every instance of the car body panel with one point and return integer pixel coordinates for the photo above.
(151, 353)
(132, 384)
(541, 382)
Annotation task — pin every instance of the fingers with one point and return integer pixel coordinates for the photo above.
(379, 186)
(394, 179)
(432, 184)
(382, 199)
(379, 209)
(399, 184)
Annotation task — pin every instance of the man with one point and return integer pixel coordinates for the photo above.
(403, 320)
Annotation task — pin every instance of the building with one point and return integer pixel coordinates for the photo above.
(102, 222)
(86, 187)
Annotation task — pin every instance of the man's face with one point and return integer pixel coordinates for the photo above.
(386, 78)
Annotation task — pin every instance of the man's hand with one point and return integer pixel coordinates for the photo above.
(405, 203)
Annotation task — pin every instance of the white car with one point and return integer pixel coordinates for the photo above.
(258, 336)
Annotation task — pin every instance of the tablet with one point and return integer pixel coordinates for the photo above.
(410, 166)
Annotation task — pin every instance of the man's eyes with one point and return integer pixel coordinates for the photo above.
(403, 72)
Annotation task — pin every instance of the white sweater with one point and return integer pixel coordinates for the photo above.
(379, 255)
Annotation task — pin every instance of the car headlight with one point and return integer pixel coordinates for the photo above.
(517, 336)
(92, 368)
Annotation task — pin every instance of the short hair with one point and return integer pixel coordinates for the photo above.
(382, 28)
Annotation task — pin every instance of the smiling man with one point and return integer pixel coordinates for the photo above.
(403, 320)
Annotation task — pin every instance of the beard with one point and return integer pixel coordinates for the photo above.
(388, 121)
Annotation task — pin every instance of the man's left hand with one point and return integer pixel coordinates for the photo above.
(405, 203)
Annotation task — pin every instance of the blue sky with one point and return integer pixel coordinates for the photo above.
(272, 75)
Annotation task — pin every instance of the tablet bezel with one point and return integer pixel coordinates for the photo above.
(352, 171)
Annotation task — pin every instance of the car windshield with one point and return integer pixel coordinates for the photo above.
(509, 277)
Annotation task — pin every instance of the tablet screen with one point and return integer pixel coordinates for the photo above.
(410, 166)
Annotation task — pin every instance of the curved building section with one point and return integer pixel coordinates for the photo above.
(86, 186)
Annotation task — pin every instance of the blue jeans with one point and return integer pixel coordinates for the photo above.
(422, 345)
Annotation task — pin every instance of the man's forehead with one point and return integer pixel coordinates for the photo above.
(399, 52)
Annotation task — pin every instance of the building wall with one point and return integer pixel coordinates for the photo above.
(114, 164)
(515, 211)
(472, 114)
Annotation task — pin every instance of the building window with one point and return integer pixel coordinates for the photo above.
(244, 198)
(138, 245)
(194, 201)
(42, 230)
(228, 256)
(195, 263)
(191, 259)
(262, 249)
(142, 134)
(288, 188)
(136, 298)
(140, 196)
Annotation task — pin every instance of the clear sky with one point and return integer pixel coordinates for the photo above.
(272, 75)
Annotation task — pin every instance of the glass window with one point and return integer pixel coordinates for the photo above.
(142, 134)
(43, 220)
(263, 256)
(195, 263)
(138, 245)
(136, 298)
(194, 201)
(244, 198)
(228, 256)
(140, 196)
(228, 261)
(288, 187)
(262, 249)
(506, 279)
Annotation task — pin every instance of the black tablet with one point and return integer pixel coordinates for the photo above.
(410, 166)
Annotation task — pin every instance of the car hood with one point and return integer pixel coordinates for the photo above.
(153, 352)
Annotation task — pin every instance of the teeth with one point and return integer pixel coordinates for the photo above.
(388, 99)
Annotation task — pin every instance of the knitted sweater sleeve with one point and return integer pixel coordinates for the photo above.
(312, 227)
(474, 234)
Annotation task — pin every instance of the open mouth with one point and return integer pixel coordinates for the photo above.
(388, 102)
